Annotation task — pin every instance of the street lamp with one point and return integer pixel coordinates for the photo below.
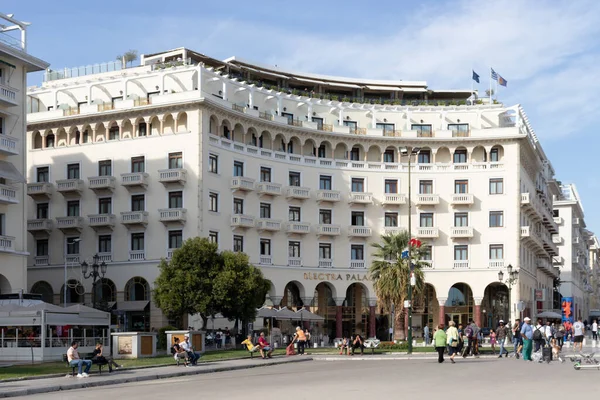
(98, 271)
(511, 279)
(406, 151)
(67, 242)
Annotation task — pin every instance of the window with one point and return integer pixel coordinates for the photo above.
(138, 202)
(494, 157)
(238, 243)
(213, 163)
(175, 239)
(138, 164)
(73, 208)
(426, 220)
(213, 202)
(425, 187)
(72, 245)
(43, 174)
(355, 154)
(105, 205)
(213, 237)
(358, 185)
(391, 186)
(496, 252)
(385, 127)
(461, 253)
(388, 156)
(77, 136)
(426, 254)
(104, 244)
(325, 217)
(265, 174)
(555, 213)
(265, 210)
(461, 186)
(325, 182)
(460, 156)
(294, 214)
(176, 199)
(265, 247)
(424, 157)
(322, 152)
(357, 252)
(175, 160)
(391, 219)
(105, 168)
(324, 251)
(294, 249)
(142, 126)
(294, 178)
(50, 137)
(137, 241)
(42, 210)
(41, 247)
(238, 168)
(86, 136)
(459, 130)
(496, 219)
(461, 219)
(319, 122)
(117, 99)
(113, 133)
(2, 224)
(496, 186)
(238, 206)
(72, 171)
(422, 130)
(358, 218)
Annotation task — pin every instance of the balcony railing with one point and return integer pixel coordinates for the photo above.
(461, 232)
(8, 145)
(429, 232)
(394, 198)
(39, 189)
(266, 116)
(460, 264)
(134, 218)
(242, 183)
(242, 221)
(328, 230)
(137, 255)
(459, 199)
(496, 264)
(172, 176)
(8, 96)
(357, 264)
(7, 244)
(69, 223)
(101, 183)
(69, 186)
(361, 198)
(133, 179)
(268, 224)
(8, 195)
(294, 261)
(301, 228)
(359, 231)
(101, 220)
(268, 188)
(41, 260)
(297, 192)
(428, 199)
(265, 260)
(393, 230)
(105, 257)
(40, 225)
(172, 215)
(328, 195)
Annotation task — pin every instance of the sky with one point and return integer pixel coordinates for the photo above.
(547, 50)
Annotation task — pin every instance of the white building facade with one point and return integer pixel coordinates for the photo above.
(15, 63)
(300, 171)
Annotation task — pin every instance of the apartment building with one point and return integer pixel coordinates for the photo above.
(303, 172)
(15, 63)
(595, 280)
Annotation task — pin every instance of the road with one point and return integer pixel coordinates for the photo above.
(355, 378)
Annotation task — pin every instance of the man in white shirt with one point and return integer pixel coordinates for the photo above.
(595, 330)
(75, 361)
(578, 332)
(187, 347)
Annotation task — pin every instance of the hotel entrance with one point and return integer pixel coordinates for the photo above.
(459, 306)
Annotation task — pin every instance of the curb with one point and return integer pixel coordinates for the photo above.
(118, 381)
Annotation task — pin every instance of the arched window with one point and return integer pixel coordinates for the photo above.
(137, 289)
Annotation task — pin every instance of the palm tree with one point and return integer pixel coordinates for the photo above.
(390, 274)
(128, 58)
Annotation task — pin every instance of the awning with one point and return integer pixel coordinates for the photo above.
(139, 305)
(308, 80)
(10, 173)
(346, 85)
(413, 90)
(7, 64)
(383, 88)
(549, 314)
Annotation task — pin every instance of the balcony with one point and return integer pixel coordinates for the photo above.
(294, 261)
(69, 187)
(558, 220)
(268, 189)
(134, 179)
(428, 233)
(167, 215)
(361, 198)
(557, 239)
(242, 221)
(576, 221)
(8, 96)
(41, 260)
(328, 230)
(496, 264)
(39, 190)
(297, 192)
(359, 231)
(69, 224)
(299, 228)
(428, 199)
(393, 230)
(527, 233)
(7, 244)
(458, 232)
(178, 176)
(558, 260)
(358, 264)
(460, 264)
(242, 183)
(101, 221)
(137, 255)
(8, 195)
(576, 240)
(268, 225)
(326, 263)
(36, 226)
(265, 260)
(102, 184)
(105, 257)
(328, 195)
(462, 199)
(134, 218)
(393, 199)
(73, 259)
(8, 145)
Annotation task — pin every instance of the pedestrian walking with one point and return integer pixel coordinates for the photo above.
(517, 338)
(538, 336)
(595, 330)
(527, 335)
(453, 340)
(439, 340)
(560, 335)
(493, 341)
(501, 337)
(426, 335)
(578, 333)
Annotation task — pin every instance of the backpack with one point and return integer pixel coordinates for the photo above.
(537, 334)
(469, 332)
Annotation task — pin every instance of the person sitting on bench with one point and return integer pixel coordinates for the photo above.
(187, 347)
(265, 347)
(99, 358)
(251, 347)
(358, 343)
(178, 352)
(75, 361)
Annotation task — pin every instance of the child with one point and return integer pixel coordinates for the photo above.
(493, 341)
(344, 346)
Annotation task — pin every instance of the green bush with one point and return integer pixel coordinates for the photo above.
(162, 336)
(393, 346)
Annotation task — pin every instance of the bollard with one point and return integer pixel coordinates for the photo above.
(316, 346)
(322, 343)
(414, 343)
(275, 345)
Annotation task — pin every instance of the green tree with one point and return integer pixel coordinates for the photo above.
(390, 274)
(128, 57)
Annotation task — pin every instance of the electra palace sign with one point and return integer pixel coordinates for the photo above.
(335, 277)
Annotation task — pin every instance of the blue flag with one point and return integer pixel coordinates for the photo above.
(493, 74)
(502, 81)
(475, 77)
(405, 254)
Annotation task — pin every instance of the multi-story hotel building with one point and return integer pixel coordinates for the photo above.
(15, 63)
(595, 279)
(300, 171)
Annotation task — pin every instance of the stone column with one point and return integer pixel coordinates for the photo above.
(477, 310)
(442, 311)
(372, 325)
(338, 317)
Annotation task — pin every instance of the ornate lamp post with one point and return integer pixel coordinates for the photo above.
(97, 271)
(512, 278)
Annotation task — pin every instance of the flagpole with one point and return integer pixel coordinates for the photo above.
(490, 85)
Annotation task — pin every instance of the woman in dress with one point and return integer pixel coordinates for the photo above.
(439, 341)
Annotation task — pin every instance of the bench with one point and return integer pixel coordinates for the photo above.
(251, 352)
(84, 356)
